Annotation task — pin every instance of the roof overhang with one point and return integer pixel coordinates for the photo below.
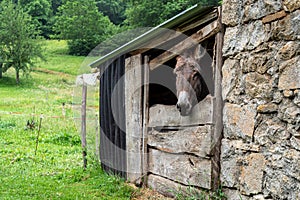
(184, 17)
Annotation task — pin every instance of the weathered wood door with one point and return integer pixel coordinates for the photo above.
(112, 119)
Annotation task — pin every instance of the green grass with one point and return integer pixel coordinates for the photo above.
(58, 60)
(55, 172)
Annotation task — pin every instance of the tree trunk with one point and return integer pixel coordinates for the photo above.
(18, 77)
(1, 64)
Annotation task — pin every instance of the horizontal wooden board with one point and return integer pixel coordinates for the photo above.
(164, 115)
(169, 188)
(193, 140)
(182, 168)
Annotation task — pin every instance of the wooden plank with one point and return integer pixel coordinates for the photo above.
(145, 117)
(170, 188)
(217, 109)
(193, 140)
(164, 116)
(201, 35)
(181, 168)
(165, 36)
(133, 111)
(209, 17)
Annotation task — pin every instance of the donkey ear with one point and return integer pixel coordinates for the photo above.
(180, 59)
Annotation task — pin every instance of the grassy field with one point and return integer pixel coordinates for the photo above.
(55, 172)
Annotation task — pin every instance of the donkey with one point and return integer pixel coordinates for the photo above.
(190, 85)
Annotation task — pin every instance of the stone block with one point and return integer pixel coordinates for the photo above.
(258, 9)
(241, 37)
(289, 112)
(291, 163)
(235, 40)
(239, 121)
(295, 143)
(288, 50)
(287, 28)
(259, 86)
(297, 97)
(289, 74)
(231, 12)
(252, 174)
(277, 97)
(291, 5)
(258, 34)
(280, 186)
(267, 108)
(259, 62)
(270, 131)
(230, 76)
(288, 93)
(233, 194)
(230, 172)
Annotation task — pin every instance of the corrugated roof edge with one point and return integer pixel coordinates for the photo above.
(138, 41)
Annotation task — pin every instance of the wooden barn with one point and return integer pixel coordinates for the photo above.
(143, 136)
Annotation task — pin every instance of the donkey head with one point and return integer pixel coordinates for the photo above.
(190, 85)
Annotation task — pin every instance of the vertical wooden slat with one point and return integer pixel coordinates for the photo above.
(145, 118)
(217, 109)
(133, 111)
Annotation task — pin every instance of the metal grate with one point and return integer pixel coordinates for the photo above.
(112, 138)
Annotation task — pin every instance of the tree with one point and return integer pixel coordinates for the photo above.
(80, 22)
(140, 13)
(41, 13)
(114, 9)
(19, 48)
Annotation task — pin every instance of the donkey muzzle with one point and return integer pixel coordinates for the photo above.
(183, 105)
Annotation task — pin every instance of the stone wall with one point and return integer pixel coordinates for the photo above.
(260, 153)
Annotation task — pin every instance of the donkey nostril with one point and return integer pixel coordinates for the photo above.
(178, 107)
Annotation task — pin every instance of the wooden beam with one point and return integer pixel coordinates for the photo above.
(195, 23)
(145, 118)
(163, 38)
(133, 112)
(201, 35)
(217, 108)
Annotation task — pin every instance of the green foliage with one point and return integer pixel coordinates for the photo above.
(64, 138)
(41, 13)
(19, 48)
(191, 193)
(82, 25)
(141, 13)
(115, 10)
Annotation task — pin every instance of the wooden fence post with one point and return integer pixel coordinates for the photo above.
(83, 124)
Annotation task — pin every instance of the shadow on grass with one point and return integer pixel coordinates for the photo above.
(10, 82)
